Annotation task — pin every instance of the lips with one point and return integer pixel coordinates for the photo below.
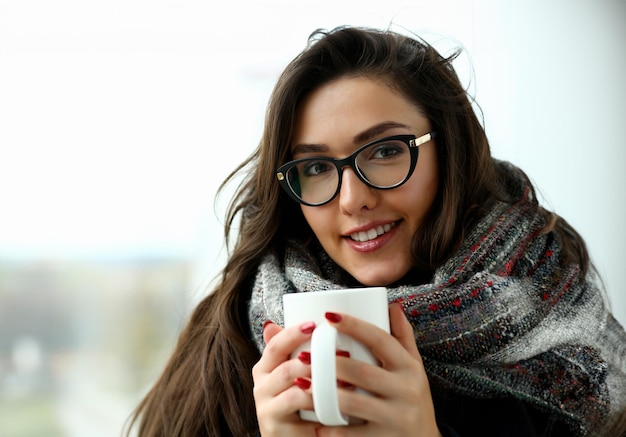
(372, 233)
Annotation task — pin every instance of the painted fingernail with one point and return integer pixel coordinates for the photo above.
(307, 327)
(302, 383)
(341, 353)
(333, 317)
(305, 357)
(266, 323)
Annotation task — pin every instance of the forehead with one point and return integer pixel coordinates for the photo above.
(339, 112)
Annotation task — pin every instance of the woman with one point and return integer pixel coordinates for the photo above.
(373, 169)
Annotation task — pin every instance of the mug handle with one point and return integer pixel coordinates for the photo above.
(324, 376)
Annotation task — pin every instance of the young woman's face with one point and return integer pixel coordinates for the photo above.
(334, 121)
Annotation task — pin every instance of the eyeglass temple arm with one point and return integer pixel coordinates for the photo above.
(423, 139)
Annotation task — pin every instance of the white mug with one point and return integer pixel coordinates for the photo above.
(369, 304)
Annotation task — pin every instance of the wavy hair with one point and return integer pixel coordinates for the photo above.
(206, 387)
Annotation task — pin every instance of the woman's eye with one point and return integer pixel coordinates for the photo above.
(315, 168)
(386, 151)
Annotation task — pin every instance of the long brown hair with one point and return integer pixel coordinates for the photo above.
(206, 388)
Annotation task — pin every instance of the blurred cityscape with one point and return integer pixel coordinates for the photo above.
(81, 341)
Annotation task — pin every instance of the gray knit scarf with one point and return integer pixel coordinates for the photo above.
(500, 318)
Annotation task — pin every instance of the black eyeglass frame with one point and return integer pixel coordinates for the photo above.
(350, 161)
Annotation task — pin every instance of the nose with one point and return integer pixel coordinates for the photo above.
(354, 195)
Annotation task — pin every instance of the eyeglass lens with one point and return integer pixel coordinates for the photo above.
(383, 165)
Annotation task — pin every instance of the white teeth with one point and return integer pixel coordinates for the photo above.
(372, 233)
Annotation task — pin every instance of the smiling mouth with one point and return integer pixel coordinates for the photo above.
(372, 233)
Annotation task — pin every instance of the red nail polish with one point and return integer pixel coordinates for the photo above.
(267, 322)
(307, 327)
(333, 317)
(305, 357)
(302, 383)
(340, 353)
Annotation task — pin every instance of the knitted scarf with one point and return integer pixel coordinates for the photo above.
(501, 317)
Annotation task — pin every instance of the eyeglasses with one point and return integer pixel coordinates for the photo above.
(383, 164)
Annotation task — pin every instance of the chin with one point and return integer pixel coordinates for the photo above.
(381, 274)
(370, 280)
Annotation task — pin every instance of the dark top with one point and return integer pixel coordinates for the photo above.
(464, 416)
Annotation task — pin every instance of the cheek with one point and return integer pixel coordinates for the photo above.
(418, 200)
(318, 219)
(428, 182)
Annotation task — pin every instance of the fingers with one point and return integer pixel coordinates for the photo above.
(276, 372)
(392, 350)
(281, 343)
(397, 353)
(401, 402)
(277, 393)
(270, 329)
(402, 330)
(373, 379)
(284, 406)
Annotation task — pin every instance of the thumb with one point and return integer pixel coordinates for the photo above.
(402, 330)
(270, 329)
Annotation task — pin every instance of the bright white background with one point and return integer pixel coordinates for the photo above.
(119, 118)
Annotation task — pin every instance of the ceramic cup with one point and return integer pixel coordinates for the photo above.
(369, 304)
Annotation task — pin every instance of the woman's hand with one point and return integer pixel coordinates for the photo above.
(277, 397)
(401, 404)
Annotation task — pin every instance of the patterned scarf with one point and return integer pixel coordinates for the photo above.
(500, 318)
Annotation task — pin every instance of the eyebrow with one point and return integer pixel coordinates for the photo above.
(359, 139)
